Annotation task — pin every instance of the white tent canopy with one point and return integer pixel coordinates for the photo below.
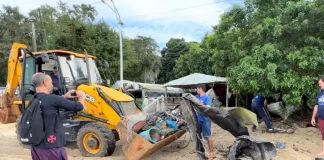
(195, 79)
(137, 85)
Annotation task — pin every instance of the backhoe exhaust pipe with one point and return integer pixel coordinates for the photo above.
(87, 64)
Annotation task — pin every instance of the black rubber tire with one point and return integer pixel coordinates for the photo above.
(106, 139)
(18, 135)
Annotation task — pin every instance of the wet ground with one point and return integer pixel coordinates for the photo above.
(301, 145)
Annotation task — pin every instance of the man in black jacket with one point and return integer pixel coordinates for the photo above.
(52, 147)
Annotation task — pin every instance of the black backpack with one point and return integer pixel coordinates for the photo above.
(31, 128)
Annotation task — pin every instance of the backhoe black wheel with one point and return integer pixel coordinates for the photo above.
(96, 140)
(18, 135)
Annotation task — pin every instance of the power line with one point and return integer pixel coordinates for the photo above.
(114, 9)
(117, 12)
(180, 16)
(94, 3)
(104, 2)
(182, 9)
(174, 10)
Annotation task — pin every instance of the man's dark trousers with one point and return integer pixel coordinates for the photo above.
(260, 111)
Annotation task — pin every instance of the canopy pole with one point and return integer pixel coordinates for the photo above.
(236, 99)
(143, 93)
(227, 92)
(166, 95)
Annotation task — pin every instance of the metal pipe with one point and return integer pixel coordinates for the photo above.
(88, 67)
(23, 106)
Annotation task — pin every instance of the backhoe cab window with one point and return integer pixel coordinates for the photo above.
(79, 69)
(48, 67)
(29, 71)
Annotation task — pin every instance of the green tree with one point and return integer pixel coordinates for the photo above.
(149, 63)
(228, 40)
(13, 28)
(174, 48)
(75, 29)
(272, 47)
(198, 60)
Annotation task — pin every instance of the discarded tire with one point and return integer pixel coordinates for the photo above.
(96, 140)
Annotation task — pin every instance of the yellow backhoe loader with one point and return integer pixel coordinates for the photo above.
(94, 130)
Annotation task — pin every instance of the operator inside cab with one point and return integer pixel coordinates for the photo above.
(57, 89)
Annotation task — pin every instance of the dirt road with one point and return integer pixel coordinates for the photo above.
(301, 145)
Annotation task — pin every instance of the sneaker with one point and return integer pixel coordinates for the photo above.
(253, 128)
(270, 130)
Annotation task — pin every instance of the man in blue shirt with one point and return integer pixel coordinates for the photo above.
(203, 121)
(258, 104)
(319, 112)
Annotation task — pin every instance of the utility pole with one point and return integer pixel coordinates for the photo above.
(121, 53)
(34, 38)
(41, 20)
(120, 39)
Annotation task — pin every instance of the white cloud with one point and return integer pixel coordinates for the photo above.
(160, 19)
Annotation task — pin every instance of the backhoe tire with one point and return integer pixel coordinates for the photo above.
(96, 140)
(18, 135)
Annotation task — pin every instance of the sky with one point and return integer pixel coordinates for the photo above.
(158, 19)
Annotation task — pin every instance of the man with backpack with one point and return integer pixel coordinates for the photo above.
(41, 126)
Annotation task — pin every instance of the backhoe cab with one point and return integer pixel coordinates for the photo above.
(94, 130)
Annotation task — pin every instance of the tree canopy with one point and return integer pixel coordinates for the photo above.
(75, 29)
(269, 47)
(174, 48)
(280, 52)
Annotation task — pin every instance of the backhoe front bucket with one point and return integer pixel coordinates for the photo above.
(8, 111)
(136, 147)
(7, 116)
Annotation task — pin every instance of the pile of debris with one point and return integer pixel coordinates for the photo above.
(283, 111)
(158, 126)
(147, 132)
(251, 148)
(144, 133)
(232, 120)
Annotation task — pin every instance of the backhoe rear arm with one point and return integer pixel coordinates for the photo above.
(9, 112)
